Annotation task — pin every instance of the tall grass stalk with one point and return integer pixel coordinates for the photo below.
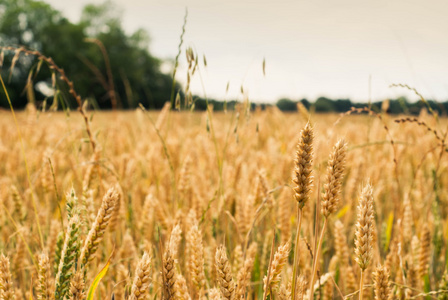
(295, 267)
(176, 63)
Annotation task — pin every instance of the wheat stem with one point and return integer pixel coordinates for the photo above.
(296, 253)
(316, 258)
(361, 284)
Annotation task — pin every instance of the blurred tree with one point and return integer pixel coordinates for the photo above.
(324, 105)
(306, 103)
(342, 105)
(286, 104)
(128, 69)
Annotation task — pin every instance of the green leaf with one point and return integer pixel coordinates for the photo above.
(98, 278)
(390, 224)
(343, 211)
(427, 286)
(446, 256)
(337, 273)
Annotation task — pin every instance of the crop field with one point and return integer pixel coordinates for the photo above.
(189, 205)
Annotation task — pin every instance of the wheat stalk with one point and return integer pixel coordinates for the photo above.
(330, 198)
(303, 181)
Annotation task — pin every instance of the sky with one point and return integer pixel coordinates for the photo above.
(334, 48)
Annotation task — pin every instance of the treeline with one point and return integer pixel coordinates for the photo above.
(326, 105)
(400, 105)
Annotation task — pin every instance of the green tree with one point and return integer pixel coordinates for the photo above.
(127, 68)
(286, 104)
(324, 105)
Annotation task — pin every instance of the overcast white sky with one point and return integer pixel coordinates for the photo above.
(312, 47)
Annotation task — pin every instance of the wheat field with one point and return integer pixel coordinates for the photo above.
(190, 205)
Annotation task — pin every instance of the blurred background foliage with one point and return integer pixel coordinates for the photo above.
(136, 75)
(113, 69)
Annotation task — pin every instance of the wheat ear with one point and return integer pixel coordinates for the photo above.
(382, 284)
(214, 294)
(77, 286)
(6, 288)
(284, 292)
(181, 288)
(44, 267)
(424, 251)
(335, 172)
(175, 238)
(52, 240)
(196, 258)
(142, 279)
(244, 273)
(330, 198)
(98, 229)
(279, 261)
(364, 232)
(169, 276)
(341, 246)
(69, 253)
(303, 179)
(225, 281)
